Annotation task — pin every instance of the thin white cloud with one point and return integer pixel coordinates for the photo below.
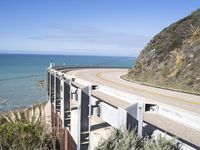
(91, 35)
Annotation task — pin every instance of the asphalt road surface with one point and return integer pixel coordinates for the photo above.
(111, 78)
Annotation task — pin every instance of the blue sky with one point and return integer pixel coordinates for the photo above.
(86, 27)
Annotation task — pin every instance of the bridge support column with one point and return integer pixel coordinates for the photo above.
(56, 105)
(65, 103)
(57, 93)
(140, 116)
(52, 100)
(47, 83)
(84, 114)
(135, 117)
(51, 87)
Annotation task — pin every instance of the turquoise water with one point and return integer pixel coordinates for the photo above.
(19, 75)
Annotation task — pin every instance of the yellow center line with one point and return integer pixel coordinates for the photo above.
(99, 75)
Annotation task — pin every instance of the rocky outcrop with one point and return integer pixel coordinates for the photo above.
(172, 58)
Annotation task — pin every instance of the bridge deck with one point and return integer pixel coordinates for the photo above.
(167, 125)
(189, 103)
(181, 131)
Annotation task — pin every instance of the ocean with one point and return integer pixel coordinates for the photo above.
(20, 73)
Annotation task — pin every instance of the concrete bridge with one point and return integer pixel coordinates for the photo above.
(88, 101)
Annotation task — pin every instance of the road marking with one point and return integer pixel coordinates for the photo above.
(99, 75)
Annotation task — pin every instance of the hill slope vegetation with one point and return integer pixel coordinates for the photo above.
(172, 58)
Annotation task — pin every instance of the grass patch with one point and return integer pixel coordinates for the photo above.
(195, 37)
(25, 136)
(25, 130)
(163, 85)
(180, 59)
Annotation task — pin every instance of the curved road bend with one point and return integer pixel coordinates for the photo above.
(111, 78)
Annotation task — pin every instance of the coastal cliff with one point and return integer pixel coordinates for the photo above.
(172, 58)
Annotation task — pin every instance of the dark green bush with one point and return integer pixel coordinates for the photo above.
(23, 136)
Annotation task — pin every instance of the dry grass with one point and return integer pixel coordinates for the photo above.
(180, 59)
(34, 115)
(195, 37)
(26, 130)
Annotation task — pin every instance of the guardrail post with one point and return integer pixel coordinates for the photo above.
(84, 113)
(65, 102)
(140, 114)
(135, 117)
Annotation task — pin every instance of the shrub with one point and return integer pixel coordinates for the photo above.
(179, 57)
(160, 143)
(124, 140)
(120, 140)
(195, 37)
(25, 130)
(23, 136)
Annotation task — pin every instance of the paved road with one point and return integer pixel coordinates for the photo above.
(111, 78)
